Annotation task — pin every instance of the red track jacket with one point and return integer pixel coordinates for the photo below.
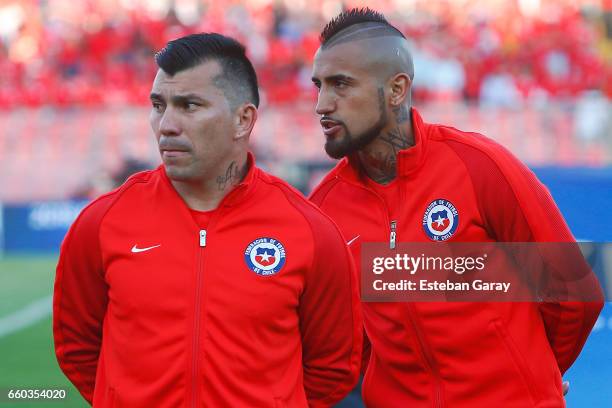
(259, 309)
(459, 354)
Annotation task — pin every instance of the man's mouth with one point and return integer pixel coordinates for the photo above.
(330, 127)
(173, 153)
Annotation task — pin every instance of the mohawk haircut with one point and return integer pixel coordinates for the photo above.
(237, 79)
(373, 24)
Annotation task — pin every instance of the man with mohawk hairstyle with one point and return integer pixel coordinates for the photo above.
(394, 167)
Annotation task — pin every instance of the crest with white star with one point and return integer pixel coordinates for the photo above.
(265, 256)
(440, 220)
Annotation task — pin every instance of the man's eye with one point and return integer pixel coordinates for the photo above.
(157, 106)
(340, 84)
(191, 106)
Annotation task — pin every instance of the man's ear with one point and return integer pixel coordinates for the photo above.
(399, 85)
(246, 116)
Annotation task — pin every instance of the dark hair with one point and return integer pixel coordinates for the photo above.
(354, 16)
(237, 78)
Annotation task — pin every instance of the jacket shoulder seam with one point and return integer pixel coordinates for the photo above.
(325, 188)
(499, 167)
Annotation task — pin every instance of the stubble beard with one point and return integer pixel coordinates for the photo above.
(183, 172)
(348, 144)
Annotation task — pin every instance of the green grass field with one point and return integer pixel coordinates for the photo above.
(27, 359)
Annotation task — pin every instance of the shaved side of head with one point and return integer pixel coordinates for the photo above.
(385, 47)
(360, 31)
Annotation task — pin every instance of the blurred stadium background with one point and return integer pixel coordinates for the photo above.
(536, 75)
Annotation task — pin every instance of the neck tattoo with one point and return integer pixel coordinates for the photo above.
(381, 164)
(233, 175)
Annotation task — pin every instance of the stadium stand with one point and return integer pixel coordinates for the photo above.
(49, 154)
(535, 75)
(92, 53)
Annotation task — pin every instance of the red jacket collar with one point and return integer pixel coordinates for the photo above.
(408, 160)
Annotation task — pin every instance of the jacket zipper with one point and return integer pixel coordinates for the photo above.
(425, 349)
(196, 335)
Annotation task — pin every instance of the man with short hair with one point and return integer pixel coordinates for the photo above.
(395, 170)
(206, 282)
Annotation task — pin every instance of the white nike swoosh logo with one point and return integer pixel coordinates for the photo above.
(135, 248)
(352, 240)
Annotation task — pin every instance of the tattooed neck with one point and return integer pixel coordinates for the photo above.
(233, 175)
(379, 160)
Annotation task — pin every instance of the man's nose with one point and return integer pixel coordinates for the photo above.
(169, 124)
(326, 103)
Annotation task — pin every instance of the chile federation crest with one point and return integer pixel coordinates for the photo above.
(265, 256)
(440, 220)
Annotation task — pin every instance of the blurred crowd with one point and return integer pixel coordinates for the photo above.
(494, 52)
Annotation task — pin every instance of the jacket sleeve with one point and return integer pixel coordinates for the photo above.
(317, 197)
(516, 207)
(80, 299)
(330, 318)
